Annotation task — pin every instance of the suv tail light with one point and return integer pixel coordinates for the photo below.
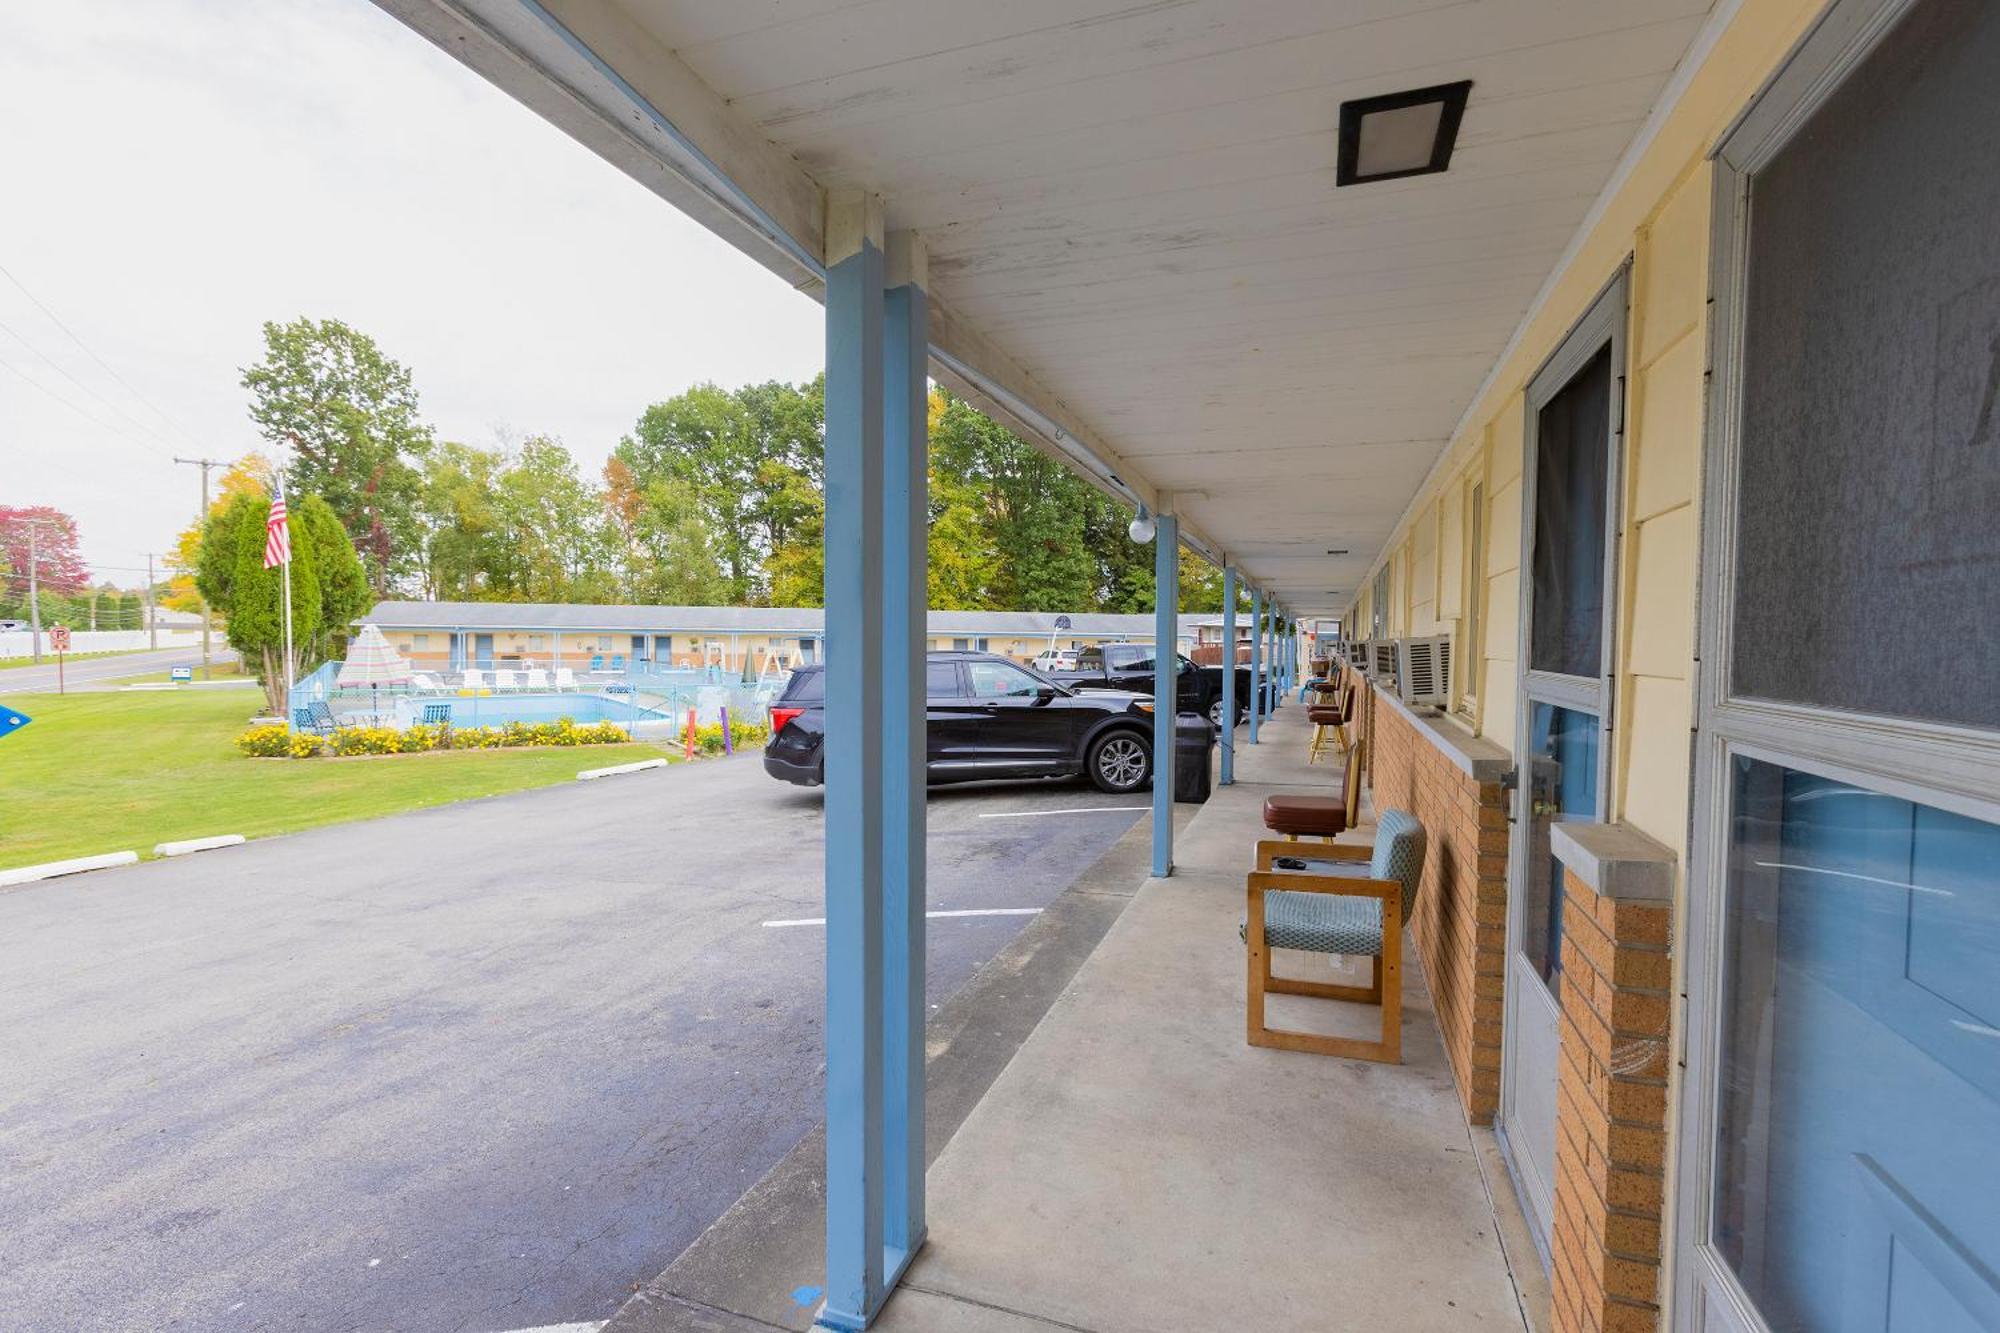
(780, 716)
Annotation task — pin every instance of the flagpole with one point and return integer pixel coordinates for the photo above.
(291, 670)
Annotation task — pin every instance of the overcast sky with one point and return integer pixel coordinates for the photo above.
(175, 172)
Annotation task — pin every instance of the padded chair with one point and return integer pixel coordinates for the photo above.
(536, 678)
(1344, 900)
(1319, 816)
(565, 678)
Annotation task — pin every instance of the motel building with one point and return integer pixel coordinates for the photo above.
(1643, 353)
(451, 636)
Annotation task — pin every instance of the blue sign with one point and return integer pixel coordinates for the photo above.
(12, 721)
(181, 673)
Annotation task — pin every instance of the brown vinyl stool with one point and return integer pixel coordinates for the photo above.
(1332, 716)
(1318, 816)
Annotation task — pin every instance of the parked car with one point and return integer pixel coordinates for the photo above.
(7, 625)
(985, 717)
(1129, 667)
(1055, 659)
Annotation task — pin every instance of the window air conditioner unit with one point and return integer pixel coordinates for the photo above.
(1423, 671)
(1382, 658)
(1357, 653)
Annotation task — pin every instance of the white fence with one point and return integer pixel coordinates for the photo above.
(16, 642)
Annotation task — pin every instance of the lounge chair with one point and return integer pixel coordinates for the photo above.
(505, 680)
(436, 715)
(315, 717)
(425, 683)
(474, 682)
(1339, 899)
(534, 678)
(565, 678)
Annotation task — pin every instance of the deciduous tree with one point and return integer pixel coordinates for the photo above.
(348, 414)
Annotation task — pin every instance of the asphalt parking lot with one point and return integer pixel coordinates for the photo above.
(477, 1068)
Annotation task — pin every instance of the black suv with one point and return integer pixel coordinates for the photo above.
(986, 717)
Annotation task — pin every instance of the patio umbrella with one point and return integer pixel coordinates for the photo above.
(372, 661)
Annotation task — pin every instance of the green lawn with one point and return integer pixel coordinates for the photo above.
(111, 772)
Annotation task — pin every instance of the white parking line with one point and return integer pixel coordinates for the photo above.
(968, 911)
(1073, 810)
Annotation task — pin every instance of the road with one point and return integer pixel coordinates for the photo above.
(476, 1068)
(94, 670)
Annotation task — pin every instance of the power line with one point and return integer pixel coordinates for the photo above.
(114, 430)
(63, 371)
(57, 320)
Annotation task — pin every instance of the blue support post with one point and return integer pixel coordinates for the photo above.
(855, 1286)
(1257, 692)
(1228, 774)
(905, 589)
(1166, 685)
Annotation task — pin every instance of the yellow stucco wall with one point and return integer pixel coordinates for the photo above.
(1659, 218)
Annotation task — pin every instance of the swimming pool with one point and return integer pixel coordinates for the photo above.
(494, 710)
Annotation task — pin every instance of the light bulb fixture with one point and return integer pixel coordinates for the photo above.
(1142, 527)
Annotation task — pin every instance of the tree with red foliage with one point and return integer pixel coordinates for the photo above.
(59, 567)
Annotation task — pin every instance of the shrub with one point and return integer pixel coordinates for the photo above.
(746, 735)
(349, 741)
(273, 741)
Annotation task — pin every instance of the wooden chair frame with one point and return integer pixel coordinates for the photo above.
(1386, 975)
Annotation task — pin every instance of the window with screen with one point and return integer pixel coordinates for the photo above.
(1572, 458)
(1868, 532)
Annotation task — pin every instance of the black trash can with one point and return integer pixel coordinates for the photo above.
(1194, 743)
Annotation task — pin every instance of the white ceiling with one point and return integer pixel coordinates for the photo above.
(1135, 202)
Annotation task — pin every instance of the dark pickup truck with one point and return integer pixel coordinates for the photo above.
(1129, 666)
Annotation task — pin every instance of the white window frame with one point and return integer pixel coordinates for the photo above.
(1602, 325)
(1953, 768)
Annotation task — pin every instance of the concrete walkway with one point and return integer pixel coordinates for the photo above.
(1138, 1167)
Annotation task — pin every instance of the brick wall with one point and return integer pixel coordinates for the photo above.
(1460, 923)
(1611, 1112)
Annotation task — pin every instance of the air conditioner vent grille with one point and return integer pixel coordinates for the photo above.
(1423, 674)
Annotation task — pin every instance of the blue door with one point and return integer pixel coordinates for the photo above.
(482, 651)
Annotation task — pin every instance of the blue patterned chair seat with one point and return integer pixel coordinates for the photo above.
(1323, 922)
(1340, 923)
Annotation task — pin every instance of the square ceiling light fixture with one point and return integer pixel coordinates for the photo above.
(1400, 134)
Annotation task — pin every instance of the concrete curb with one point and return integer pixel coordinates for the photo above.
(51, 869)
(592, 774)
(186, 845)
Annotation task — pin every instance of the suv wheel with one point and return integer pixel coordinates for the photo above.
(1120, 762)
(1215, 715)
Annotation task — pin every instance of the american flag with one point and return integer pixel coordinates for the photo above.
(277, 532)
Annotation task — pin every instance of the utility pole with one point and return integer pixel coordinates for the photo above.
(201, 516)
(34, 594)
(152, 617)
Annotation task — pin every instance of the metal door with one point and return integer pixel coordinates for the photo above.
(1561, 743)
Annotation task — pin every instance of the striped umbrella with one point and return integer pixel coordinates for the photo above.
(372, 661)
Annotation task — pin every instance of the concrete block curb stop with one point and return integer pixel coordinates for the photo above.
(186, 845)
(51, 869)
(592, 774)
